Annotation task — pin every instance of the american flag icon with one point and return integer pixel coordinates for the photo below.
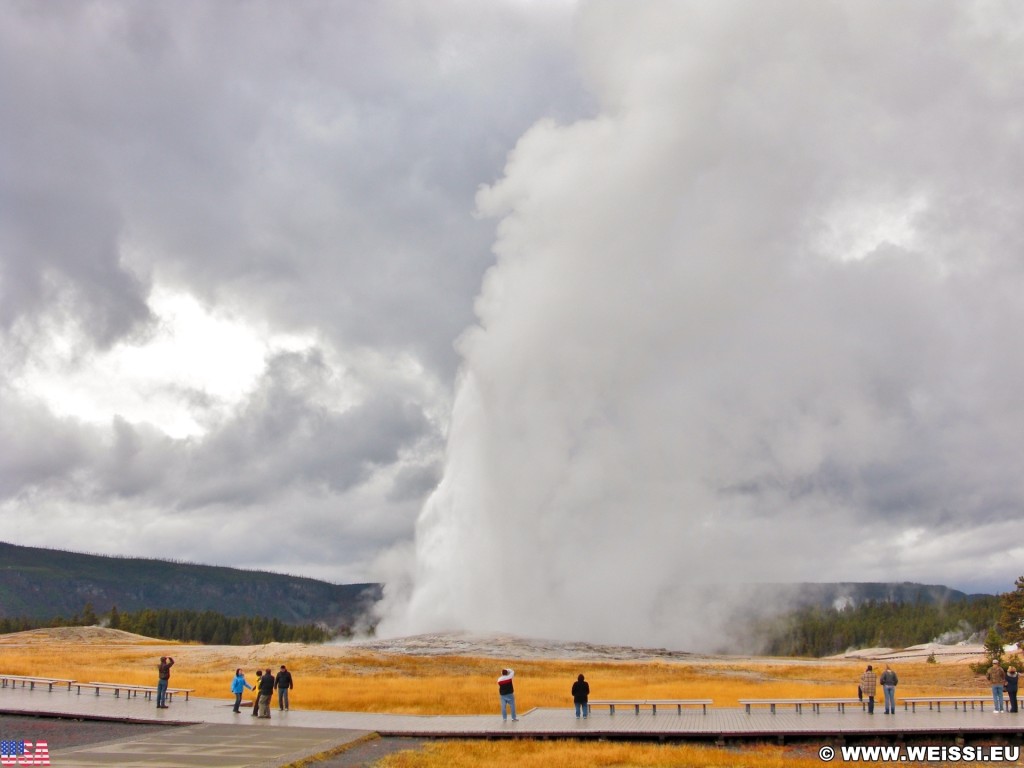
(21, 752)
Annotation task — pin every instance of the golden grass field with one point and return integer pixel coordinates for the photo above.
(343, 678)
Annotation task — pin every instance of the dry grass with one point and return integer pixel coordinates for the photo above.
(349, 679)
(575, 754)
(344, 679)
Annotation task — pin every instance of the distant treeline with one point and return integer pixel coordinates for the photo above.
(207, 627)
(827, 631)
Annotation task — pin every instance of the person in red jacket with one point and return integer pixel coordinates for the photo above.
(507, 694)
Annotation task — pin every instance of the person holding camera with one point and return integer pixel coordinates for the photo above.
(164, 678)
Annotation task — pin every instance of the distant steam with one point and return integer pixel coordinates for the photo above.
(757, 320)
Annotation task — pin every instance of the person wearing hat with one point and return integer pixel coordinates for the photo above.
(507, 694)
(997, 678)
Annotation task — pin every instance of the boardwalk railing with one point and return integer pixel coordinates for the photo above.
(130, 689)
(938, 701)
(652, 703)
(31, 682)
(799, 704)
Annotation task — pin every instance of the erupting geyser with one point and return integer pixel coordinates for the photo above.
(754, 321)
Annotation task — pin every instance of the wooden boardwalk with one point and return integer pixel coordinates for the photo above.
(719, 725)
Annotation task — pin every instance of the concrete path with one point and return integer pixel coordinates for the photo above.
(212, 746)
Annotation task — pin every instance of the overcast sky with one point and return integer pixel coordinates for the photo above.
(237, 244)
(720, 291)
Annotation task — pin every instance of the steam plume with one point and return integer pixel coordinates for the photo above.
(756, 320)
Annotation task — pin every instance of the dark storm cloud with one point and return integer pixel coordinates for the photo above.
(283, 438)
(279, 440)
(308, 168)
(38, 449)
(319, 160)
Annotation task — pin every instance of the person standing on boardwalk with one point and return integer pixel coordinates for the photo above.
(266, 693)
(867, 685)
(507, 694)
(283, 682)
(238, 685)
(997, 678)
(163, 679)
(1011, 688)
(256, 697)
(580, 695)
(889, 682)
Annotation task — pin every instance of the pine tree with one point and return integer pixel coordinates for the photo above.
(1011, 617)
(993, 651)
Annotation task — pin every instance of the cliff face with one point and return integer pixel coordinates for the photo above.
(43, 583)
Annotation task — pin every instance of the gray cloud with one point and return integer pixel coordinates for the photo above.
(753, 290)
(317, 163)
(307, 169)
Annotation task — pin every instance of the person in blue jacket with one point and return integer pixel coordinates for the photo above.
(238, 686)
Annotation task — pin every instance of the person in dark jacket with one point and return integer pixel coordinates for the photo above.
(889, 681)
(266, 693)
(1011, 687)
(163, 680)
(580, 695)
(283, 682)
(507, 694)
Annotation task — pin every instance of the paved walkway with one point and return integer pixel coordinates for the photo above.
(217, 737)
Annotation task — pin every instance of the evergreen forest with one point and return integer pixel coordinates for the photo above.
(207, 627)
(818, 631)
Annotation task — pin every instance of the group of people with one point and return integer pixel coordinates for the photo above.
(868, 686)
(1003, 681)
(266, 683)
(507, 695)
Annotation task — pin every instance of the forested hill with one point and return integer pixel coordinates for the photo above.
(43, 583)
(852, 594)
(825, 619)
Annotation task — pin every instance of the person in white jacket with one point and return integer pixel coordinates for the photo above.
(507, 694)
